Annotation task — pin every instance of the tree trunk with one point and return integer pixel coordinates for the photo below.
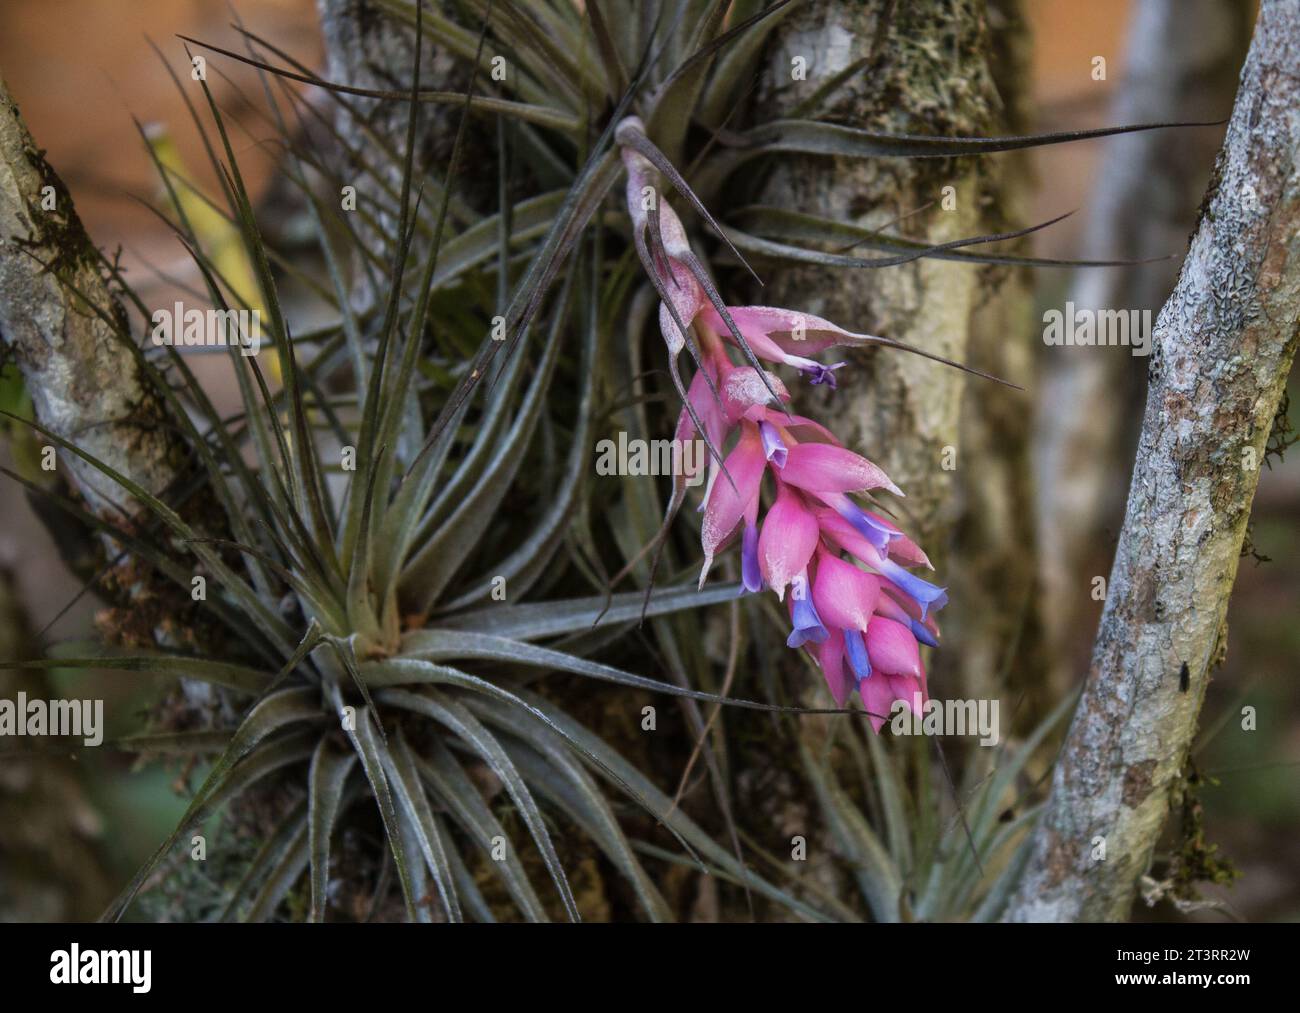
(1184, 57)
(956, 446)
(1223, 346)
(369, 48)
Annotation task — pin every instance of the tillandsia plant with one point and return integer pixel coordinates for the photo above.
(347, 631)
(858, 623)
(423, 466)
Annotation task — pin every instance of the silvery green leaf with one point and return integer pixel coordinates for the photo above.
(400, 766)
(538, 620)
(372, 752)
(876, 872)
(325, 781)
(470, 730)
(454, 789)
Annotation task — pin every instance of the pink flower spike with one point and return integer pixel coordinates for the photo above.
(890, 609)
(902, 549)
(880, 697)
(920, 683)
(793, 353)
(807, 625)
(830, 655)
(876, 534)
(819, 374)
(751, 575)
(843, 535)
(727, 505)
(805, 429)
(926, 595)
(844, 595)
(892, 648)
(912, 691)
(822, 468)
(788, 539)
(761, 345)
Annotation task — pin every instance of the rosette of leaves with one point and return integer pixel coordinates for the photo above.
(364, 653)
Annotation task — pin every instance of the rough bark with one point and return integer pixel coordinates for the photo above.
(1223, 346)
(367, 47)
(1183, 60)
(84, 385)
(935, 68)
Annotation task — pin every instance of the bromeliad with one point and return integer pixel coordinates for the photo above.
(854, 604)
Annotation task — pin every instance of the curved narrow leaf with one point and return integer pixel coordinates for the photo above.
(281, 877)
(544, 116)
(523, 566)
(433, 567)
(812, 137)
(628, 778)
(538, 620)
(448, 645)
(267, 860)
(194, 743)
(545, 763)
(218, 673)
(457, 792)
(876, 872)
(325, 780)
(402, 775)
(272, 755)
(454, 715)
(464, 882)
(371, 751)
(779, 224)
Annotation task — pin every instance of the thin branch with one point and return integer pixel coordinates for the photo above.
(1223, 346)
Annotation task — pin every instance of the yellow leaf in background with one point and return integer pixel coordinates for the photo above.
(218, 237)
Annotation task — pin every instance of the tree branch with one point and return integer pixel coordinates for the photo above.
(1223, 346)
(1184, 60)
(84, 385)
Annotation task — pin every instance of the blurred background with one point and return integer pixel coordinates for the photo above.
(71, 831)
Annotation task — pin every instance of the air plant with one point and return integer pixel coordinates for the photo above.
(362, 646)
(872, 620)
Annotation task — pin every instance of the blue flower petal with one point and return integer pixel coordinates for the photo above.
(856, 649)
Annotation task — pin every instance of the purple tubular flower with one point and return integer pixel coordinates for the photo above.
(856, 649)
(819, 374)
(750, 573)
(923, 634)
(920, 591)
(773, 446)
(808, 625)
(866, 525)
